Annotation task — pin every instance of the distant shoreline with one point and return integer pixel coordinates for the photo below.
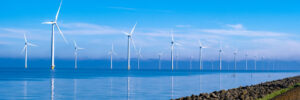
(252, 92)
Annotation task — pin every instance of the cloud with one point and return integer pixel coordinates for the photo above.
(235, 26)
(239, 30)
(14, 30)
(243, 32)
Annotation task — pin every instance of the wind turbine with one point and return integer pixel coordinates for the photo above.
(191, 57)
(220, 56)
(76, 52)
(234, 54)
(200, 54)
(173, 43)
(130, 40)
(139, 56)
(176, 60)
(255, 58)
(25, 49)
(54, 23)
(159, 60)
(111, 53)
(262, 61)
(246, 57)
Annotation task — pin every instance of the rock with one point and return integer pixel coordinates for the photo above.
(213, 95)
(252, 92)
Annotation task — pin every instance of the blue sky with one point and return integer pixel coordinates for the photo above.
(263, 28)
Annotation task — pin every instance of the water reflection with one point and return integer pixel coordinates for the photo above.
(128, 88)
(75, 88)
(52, 88)
(25, 89)
(220, 88)
(172, 87)
(200, 83)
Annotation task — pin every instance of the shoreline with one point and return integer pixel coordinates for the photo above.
(252, 92)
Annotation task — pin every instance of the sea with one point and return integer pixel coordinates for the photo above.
(99, 82)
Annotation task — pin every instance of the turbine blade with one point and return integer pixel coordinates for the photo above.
(80, 48)
(132, 43)
(23, 49)
(56, 17)
(140, 50)
(132, 30)
(172, 35)
(75, 45)
(30, 44)
(200, 44)
(112, 47)
(62, 35)
(126, 33)
(114, 53)
(25, 38)
(47, 23)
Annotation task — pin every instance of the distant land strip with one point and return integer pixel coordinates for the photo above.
(282, 89)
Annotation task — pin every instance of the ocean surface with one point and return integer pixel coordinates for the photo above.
(99, 84)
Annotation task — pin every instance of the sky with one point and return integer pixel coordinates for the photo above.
(266, 28)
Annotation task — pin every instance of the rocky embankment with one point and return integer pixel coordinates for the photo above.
(248, 92)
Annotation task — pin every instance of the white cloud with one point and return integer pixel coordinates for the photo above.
(243, 32)
(235, 26)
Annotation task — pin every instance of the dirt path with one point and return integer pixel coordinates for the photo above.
(293, 94)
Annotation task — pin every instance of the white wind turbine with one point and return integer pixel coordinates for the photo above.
(220, 56)
(130, 40)
(255, 58)
(173, 43)
(262, 61)
(191, 58)
(25, 48)
(200, 54)
(246, 57)
(234, 57)
(76, 47)
(139, 56)
(159, 60)
(54, 23)
(111, 53)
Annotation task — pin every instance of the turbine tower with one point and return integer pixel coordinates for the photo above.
(54, 23)
(139, 56)
(130, 40)
(111, 53)
(200, 54)
(246, 57)
(220, 56)
(76, 52)
(159, 60)
(255, 58)
(191, 58)
(25, 49)
(234, 57)
(173, 43)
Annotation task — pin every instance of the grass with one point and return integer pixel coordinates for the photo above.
(278, 92)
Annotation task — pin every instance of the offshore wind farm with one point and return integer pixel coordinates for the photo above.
(133, 50)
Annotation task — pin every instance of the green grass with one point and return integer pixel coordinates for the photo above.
(278, 92)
